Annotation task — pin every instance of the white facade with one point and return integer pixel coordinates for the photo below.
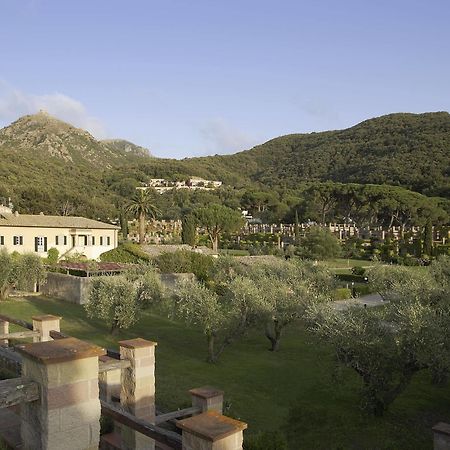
(69, 235)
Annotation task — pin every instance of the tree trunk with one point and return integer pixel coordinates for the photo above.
(211, 354)
(215, 244)
(141, 229)
(273, 333)
(4, 291)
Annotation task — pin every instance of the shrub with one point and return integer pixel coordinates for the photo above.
(342, 294)
(128, 252)
(185, 261)
(52, 255)
(357, 270)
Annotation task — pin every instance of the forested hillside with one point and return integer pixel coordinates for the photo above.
(50, 166)
(409, 150)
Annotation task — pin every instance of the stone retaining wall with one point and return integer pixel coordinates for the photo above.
(67, 287)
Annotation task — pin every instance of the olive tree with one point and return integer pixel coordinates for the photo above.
(387, 346)
(20, 271)
(117, 300)
(287, 289)
(223, 316)
(113, 300)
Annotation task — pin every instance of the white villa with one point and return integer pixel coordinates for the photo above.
(162, 185)
(25, 233)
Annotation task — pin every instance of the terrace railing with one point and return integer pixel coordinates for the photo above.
(66, 384)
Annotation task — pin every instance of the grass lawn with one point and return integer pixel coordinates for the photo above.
(299, 385)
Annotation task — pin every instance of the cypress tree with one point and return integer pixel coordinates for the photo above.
(123, 225)
(428, 238)
(189, 230)
(296, 229)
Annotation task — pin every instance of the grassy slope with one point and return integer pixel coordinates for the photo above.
(261, 386)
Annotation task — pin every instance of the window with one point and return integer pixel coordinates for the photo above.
(2, 240)
(101, 240)
(57, 240)
(40, 244)
(65, 240)
(93, 240)
(108, 240)
(17, 240)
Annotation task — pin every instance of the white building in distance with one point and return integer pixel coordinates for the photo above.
(162, 185)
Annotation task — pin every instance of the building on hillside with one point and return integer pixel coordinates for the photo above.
(25, 233)
(194, 183)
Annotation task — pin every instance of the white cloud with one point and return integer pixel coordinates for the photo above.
(222, 137)
(15, 103)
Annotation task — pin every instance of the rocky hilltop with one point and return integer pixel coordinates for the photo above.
(44, 135)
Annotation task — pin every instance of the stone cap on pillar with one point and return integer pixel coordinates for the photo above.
(46, 317)
(206, 392)
(442, 428)
(137, 343)
(61, 350)
(211, 426)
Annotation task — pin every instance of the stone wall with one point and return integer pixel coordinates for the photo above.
(75, 289)
(66, 287)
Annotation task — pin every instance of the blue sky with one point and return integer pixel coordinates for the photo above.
(197, 77)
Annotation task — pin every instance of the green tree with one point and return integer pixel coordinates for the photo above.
(223, 316)
(20, 271)
(296, 229)
(286, 290)
(218, 219)
(387, 346)
(189, 230)
(142, 206)
(428, 238)
(113, 300)
(319, 243)
(123, 224)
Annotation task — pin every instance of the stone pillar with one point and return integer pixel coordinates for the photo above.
(207, 398)
(45, 324)
(212, 431)
(441, 434)
(137, 395)
(67, 416)
(4, 329)
(109, 382)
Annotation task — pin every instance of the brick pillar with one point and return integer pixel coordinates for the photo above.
(45, 324)
(207, 398)
(67, 416)
(441, 434)
(137, 393)
(4, 329)
(212, 431)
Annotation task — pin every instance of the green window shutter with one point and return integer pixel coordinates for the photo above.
(36, 244)
(56, 240)
(21, 240)
(45, 243)
(65, 240)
